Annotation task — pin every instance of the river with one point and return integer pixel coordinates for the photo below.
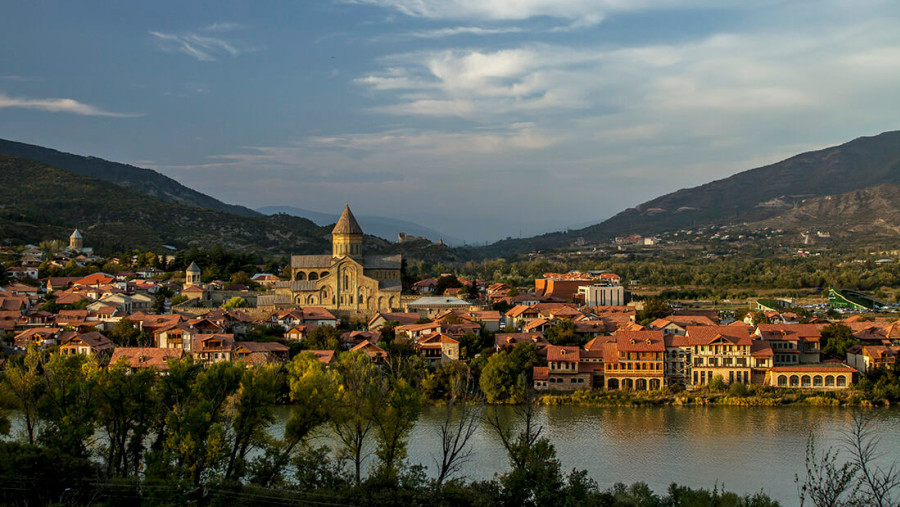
(745, 450)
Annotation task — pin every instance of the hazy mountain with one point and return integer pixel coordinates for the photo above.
(755, 195)
(383, 227)
(144, 181)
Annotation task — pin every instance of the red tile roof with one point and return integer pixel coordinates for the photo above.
(563, 354)
(640, 341)
(704, 335)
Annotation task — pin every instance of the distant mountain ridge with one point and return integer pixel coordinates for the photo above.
(755, 195)
(39, 202)
(383, 227)
(144, 181)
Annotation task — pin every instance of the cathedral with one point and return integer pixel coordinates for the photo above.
(346, 280)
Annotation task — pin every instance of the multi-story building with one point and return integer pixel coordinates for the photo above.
(564, 371)
(792, 344)
(720, 351)
(677, 360)
(635, 360)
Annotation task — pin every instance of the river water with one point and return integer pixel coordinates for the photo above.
(743, 449)
(746, 450)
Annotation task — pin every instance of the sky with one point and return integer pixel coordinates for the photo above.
(484, 119)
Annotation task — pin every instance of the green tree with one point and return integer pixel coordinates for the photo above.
(446, 282)
(250, 415)
(353, 416)
(654, 308)
(23, 382)
(67, 406)
(836, 339)
(563, 333)
(126, 333)
(313, 392)
(323, 338)
(196, 433)
(394, 419)
(125, 410)
(236, 302)
(502, 379)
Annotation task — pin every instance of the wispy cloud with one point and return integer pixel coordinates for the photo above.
(201, 47)
(579, 13)
(222, 27)
(21, 79)
(56, 105)
(460, 30)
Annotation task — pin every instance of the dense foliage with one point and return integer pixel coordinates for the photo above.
(207, 435)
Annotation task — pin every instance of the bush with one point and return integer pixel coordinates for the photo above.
(717, 383)
(737, 390)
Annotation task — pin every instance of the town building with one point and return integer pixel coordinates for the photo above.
(346, 281)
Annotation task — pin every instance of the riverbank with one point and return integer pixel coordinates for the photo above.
(750, 396)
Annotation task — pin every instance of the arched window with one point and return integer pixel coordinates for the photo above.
(313, 276)
(829, 381)
(782, 381)
(842, 381)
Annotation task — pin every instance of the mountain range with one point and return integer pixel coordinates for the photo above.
(851, 190)
(818, 189)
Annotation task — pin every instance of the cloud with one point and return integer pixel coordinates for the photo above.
(460, 30)
(202, 47)
(222, 27)
(21, 79)
(581, 13)
(55, 105)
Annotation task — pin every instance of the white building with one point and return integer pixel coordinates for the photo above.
(602, 295)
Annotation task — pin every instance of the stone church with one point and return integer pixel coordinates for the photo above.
(345, 281)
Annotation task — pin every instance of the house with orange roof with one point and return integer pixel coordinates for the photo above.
(678, 324)
(326, 357)
(91, 343)
(507, 341)
(174, 336)
(563, 370)
(720, 351)
(762, 358)
(635, 360)
(95, 280)
(438, 348)
(42, 336)
(379, 319)
(710, 314)
(298, 332)
(792, 344)
(268, 352)
(350, 339)
(139, 358)
(868, 358)
(375, 352)
(212, 348)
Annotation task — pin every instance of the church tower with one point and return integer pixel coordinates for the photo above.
(76, 241)
(347, 236)
(192, 275)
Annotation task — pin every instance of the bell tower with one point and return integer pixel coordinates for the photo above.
(347, 236)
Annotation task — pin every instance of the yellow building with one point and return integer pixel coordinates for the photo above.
(720, 350)
(345, 281)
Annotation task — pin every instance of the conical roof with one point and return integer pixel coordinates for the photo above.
(347, 224)
(194, 268)
(76, 234)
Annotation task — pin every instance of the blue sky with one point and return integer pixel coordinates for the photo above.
(480, 118)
